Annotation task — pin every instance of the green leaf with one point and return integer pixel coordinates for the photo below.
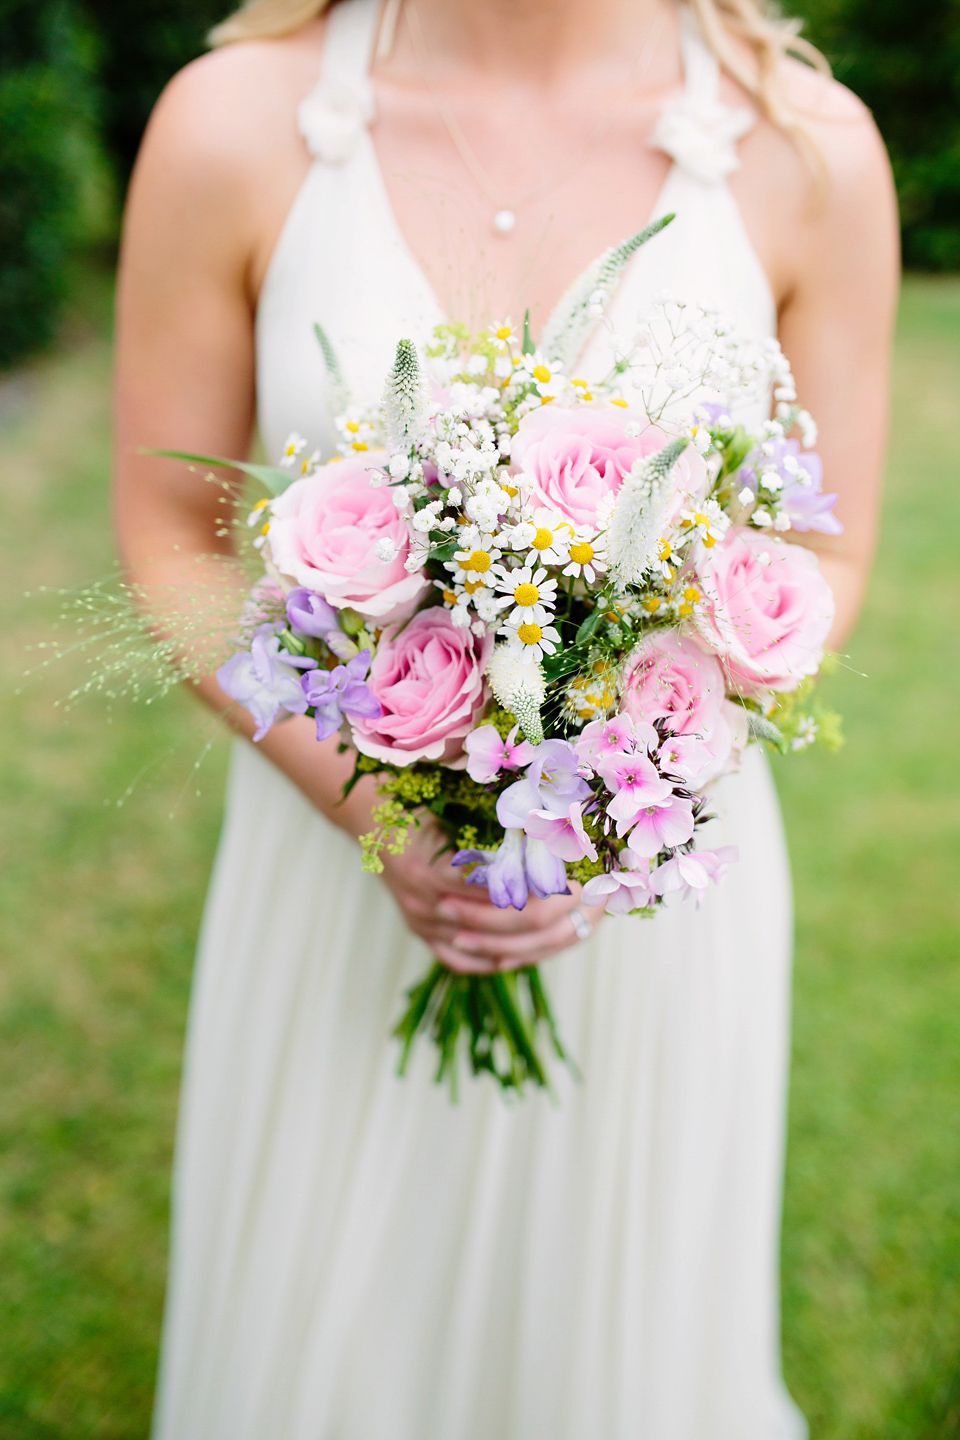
(271, 477)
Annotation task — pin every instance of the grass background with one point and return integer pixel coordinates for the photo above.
(100, 896)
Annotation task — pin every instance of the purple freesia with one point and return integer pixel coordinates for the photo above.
(518, 868)
(552, 782)
(265, 679)
(341, 692)
(309, 614)
(801, 497)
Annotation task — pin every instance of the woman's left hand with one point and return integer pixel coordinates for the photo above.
(490, 939)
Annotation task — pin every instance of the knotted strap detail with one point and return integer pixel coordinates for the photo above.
(334, 115)
(701, 136)
(698, 131)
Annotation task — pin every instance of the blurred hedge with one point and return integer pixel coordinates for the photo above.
(903, 59)
(78, 79)
(53, 178)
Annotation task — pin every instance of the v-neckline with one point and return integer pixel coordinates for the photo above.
(394, 230)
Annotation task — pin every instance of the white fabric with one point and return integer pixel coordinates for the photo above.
(353, 1257)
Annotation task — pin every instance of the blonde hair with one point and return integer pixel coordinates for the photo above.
(723, 24)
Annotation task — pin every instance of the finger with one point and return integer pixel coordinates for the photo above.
(483, 916)
(463, 964)
(518, 943)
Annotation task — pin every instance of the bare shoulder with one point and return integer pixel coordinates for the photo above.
(234, 108)
(840, 125)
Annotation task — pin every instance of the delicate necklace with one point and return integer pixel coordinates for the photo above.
(505, 216)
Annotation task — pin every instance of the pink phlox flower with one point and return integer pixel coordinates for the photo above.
(687, 757)
(662, 825)
(620, 735)
(563, 835)
(488, 753)
(625, 890)
(692, 873)
(636, 783)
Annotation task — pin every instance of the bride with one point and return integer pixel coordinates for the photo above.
(353, 1257)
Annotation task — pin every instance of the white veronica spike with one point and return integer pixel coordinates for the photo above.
(404, 400)
(570, 324)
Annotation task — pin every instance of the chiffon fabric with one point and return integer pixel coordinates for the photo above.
(354, 1257)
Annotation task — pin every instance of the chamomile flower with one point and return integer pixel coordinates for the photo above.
(531, 594)
(531, 639)
(294, 447)
(475, 559)
(587, 556)
(546, 536)
(709, 523)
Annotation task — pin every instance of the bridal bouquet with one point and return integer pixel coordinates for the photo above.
(549, 613)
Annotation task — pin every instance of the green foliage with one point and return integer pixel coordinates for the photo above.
(903, 60)
(54, 193)
(141, 47)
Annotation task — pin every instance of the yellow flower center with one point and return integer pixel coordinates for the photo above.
(691, 595)
(479, 561)
(653, 604)
(581, 553)
(450, 597)
(709, 541)
(621, 403)
(360, 445)
(472, 585)
(529, 634)
(541, 373)
(264, 529)
(684, 610)
(700, 519)
(353, 427)
(512, 491)
(526, 594)
(504, 332)
(666, 550)
(581, 383)
(543, 539)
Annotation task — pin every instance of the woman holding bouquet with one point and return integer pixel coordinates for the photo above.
(353, 1256)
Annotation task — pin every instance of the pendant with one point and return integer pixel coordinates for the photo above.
(504, 221)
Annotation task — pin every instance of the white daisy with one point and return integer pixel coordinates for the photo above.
(474, 561)
(532, 595)
(587, 554)
(532, 639)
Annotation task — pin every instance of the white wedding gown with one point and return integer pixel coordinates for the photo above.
(354, 1258)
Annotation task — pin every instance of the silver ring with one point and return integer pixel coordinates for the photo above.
(581, 925)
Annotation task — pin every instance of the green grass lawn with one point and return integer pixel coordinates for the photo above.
(100, 895)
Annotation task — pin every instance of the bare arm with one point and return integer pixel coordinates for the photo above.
(836, 322)
(194, 248)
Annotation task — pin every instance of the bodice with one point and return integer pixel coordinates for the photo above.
(342, 262)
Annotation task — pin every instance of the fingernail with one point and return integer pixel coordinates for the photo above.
(447, 910)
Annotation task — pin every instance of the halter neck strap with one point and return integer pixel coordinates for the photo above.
(701, 69)
(348, 45)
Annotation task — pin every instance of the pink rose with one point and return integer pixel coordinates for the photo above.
(576, 459)
(671, 678)
(767, 610)
(323, 534)
(428, 677)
